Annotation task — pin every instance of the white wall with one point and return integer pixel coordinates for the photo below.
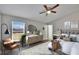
(45, 32)
(8, 19)
(37, 24)
(59, 23)
(0, 27)
(5, 20)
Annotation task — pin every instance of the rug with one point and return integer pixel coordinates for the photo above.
(40, 49)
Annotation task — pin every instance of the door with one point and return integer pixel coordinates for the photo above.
(50, 32)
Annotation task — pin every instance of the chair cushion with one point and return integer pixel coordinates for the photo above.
(7, 40)
(10, 44)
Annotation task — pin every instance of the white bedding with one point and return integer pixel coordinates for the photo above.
(32, 35)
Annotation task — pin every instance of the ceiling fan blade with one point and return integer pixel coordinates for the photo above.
(55, 6)
(42, 12)
(45, 6)
(53, 11)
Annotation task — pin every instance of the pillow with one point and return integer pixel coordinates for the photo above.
(75, 49)
(50, 45)
(66, 47)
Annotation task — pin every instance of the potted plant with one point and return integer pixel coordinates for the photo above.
(23, 40)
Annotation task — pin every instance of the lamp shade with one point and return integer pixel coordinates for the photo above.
(6, 32)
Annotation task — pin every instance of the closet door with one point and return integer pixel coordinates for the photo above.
(50, 32)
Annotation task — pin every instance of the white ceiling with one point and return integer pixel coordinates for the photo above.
(31, 11)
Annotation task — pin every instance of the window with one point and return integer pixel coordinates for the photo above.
(18, 29)
(71, 25)
(67, 25)
(74, 25)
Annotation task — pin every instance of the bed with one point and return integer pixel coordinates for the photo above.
(33, 39)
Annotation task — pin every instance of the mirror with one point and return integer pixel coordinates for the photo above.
(32, 28)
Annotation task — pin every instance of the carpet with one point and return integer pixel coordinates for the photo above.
(40, 49)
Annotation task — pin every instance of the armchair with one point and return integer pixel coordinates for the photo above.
(9, 44)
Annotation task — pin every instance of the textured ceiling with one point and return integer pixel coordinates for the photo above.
(31, 11)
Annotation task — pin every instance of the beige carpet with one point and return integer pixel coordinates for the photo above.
(40, 49)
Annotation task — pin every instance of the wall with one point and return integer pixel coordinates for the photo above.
(59, 23)
(0, 27)
(7, 19)
(37, 24)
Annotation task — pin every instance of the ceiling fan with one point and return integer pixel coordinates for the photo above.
(49, 10)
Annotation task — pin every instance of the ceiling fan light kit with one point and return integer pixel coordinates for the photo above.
(48, 12)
